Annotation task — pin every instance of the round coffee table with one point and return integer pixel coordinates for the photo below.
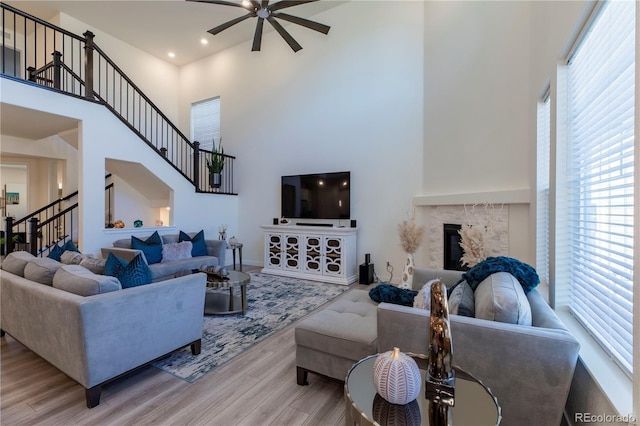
(474, 402)
(217, 302)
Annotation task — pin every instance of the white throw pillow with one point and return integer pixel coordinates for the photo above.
(500, 297)
(423, 298)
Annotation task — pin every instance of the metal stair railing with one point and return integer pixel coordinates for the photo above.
(80, 68)
(40, 230)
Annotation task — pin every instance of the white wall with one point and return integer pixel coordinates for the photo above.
(476, 99)
(155, 77)
(101, 135)
(351, 100)
(46, 160)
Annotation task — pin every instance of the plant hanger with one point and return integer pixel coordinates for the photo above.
(263, 10)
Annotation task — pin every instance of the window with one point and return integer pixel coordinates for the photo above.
(542, 214)
(205, 122)
(599, 172)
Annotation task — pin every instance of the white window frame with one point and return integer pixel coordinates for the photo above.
(205, 122)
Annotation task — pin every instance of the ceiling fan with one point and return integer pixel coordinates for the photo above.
(263, 10)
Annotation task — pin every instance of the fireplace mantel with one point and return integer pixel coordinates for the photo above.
(509, 196)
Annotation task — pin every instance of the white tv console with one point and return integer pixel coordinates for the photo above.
(311, 252)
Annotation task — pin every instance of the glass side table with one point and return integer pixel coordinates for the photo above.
(234, 247)
(474, 402)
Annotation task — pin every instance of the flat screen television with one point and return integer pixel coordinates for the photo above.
(316, 196)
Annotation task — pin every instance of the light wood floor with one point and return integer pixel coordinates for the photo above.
(256, 388)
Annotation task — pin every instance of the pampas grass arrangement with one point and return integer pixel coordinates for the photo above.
(477, 236)
(410, 235)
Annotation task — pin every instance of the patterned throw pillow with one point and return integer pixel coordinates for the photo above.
(151, 247)
(199, 247)
(70, 257)
(176, 251)
(114, 265)
(93, 264)
(132, 274)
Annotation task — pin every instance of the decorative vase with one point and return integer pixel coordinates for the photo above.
(396, 377)
(407, 273)
(215, 180)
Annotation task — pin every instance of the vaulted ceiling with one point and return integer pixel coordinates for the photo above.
(161, 26)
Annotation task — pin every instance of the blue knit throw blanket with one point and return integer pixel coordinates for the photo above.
(525, 274)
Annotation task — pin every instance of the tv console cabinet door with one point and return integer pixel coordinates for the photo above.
(333, 256)
(273, 253)
(313, 254)
(291, 252)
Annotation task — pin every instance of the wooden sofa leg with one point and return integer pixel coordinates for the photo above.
(302, 374)
(196, 347)
(93, 396)
(2, 333)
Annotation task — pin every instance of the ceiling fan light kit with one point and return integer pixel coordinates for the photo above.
(263, 10)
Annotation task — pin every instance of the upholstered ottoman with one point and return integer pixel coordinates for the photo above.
(330, 341)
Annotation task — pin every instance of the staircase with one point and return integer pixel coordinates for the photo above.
(79, 68)
(52, 224)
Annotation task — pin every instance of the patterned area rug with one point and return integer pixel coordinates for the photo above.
(273, 303)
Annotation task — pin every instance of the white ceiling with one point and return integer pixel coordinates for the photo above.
(160, 26)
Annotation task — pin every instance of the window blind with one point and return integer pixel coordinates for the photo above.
(542, 214)
(205, 122)
(600, 174)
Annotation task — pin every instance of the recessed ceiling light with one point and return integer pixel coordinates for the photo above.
(246, 3)
(204, 41)
(172, 55)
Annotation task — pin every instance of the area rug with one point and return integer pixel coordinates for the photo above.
(273, 303)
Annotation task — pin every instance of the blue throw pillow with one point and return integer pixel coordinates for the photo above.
(132, 274)
(69, 246)
(199, 247)
(56, 251)
(114, 265)
(392, 294)
(151, 247)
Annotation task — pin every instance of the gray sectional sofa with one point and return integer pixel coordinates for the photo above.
(216, 252)
(105, 333)
(528, 368)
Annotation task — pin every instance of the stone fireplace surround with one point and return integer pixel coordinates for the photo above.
(505, 211)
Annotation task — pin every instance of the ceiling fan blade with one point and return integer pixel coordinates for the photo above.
(284, 34)
(324, 29)
(257, 37)
(222, 2)
(288, 3)
(226, 25)
(265, 3)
